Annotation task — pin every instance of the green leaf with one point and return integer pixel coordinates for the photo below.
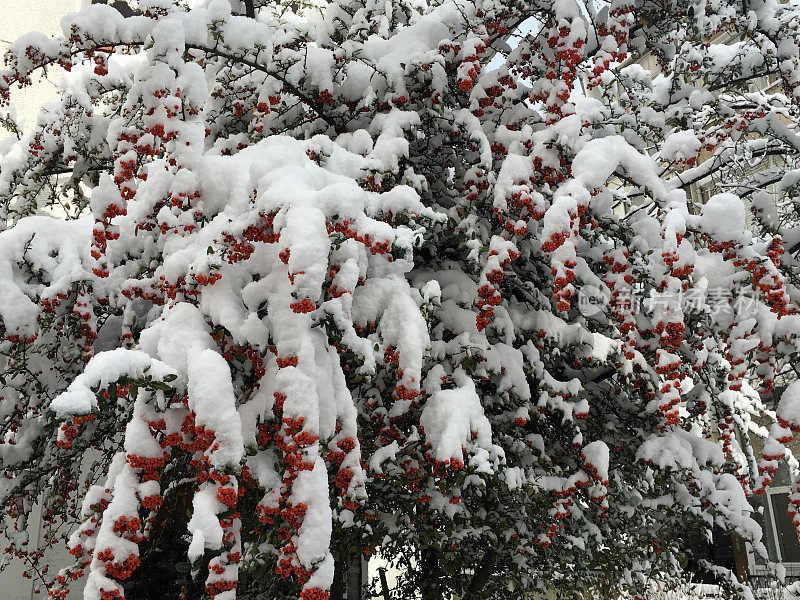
(183, 567)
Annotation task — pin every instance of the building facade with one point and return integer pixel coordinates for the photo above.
(18, 17)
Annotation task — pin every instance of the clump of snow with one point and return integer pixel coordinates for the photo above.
(680, 145)
(723, 217)
(596, 454)
(57, 248)
(212, 399)
(102, 370)
(453, 419)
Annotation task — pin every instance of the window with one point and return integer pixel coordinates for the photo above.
(788, 546)
(704, 192)
(780, 536)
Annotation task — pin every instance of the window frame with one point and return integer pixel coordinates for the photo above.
(792, 568)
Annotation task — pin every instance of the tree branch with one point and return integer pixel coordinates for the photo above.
(309, 101)
(317, 107)
(481, 575)
(745, 79)
(384, 583)
(249, 9)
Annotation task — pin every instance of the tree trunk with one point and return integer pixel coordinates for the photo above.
(354, 577)
(481, 575)
(348, 580)
(337, 587)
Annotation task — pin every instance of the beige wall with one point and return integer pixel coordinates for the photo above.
(21, 16)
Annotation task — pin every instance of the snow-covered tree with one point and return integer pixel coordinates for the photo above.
(281, 287)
